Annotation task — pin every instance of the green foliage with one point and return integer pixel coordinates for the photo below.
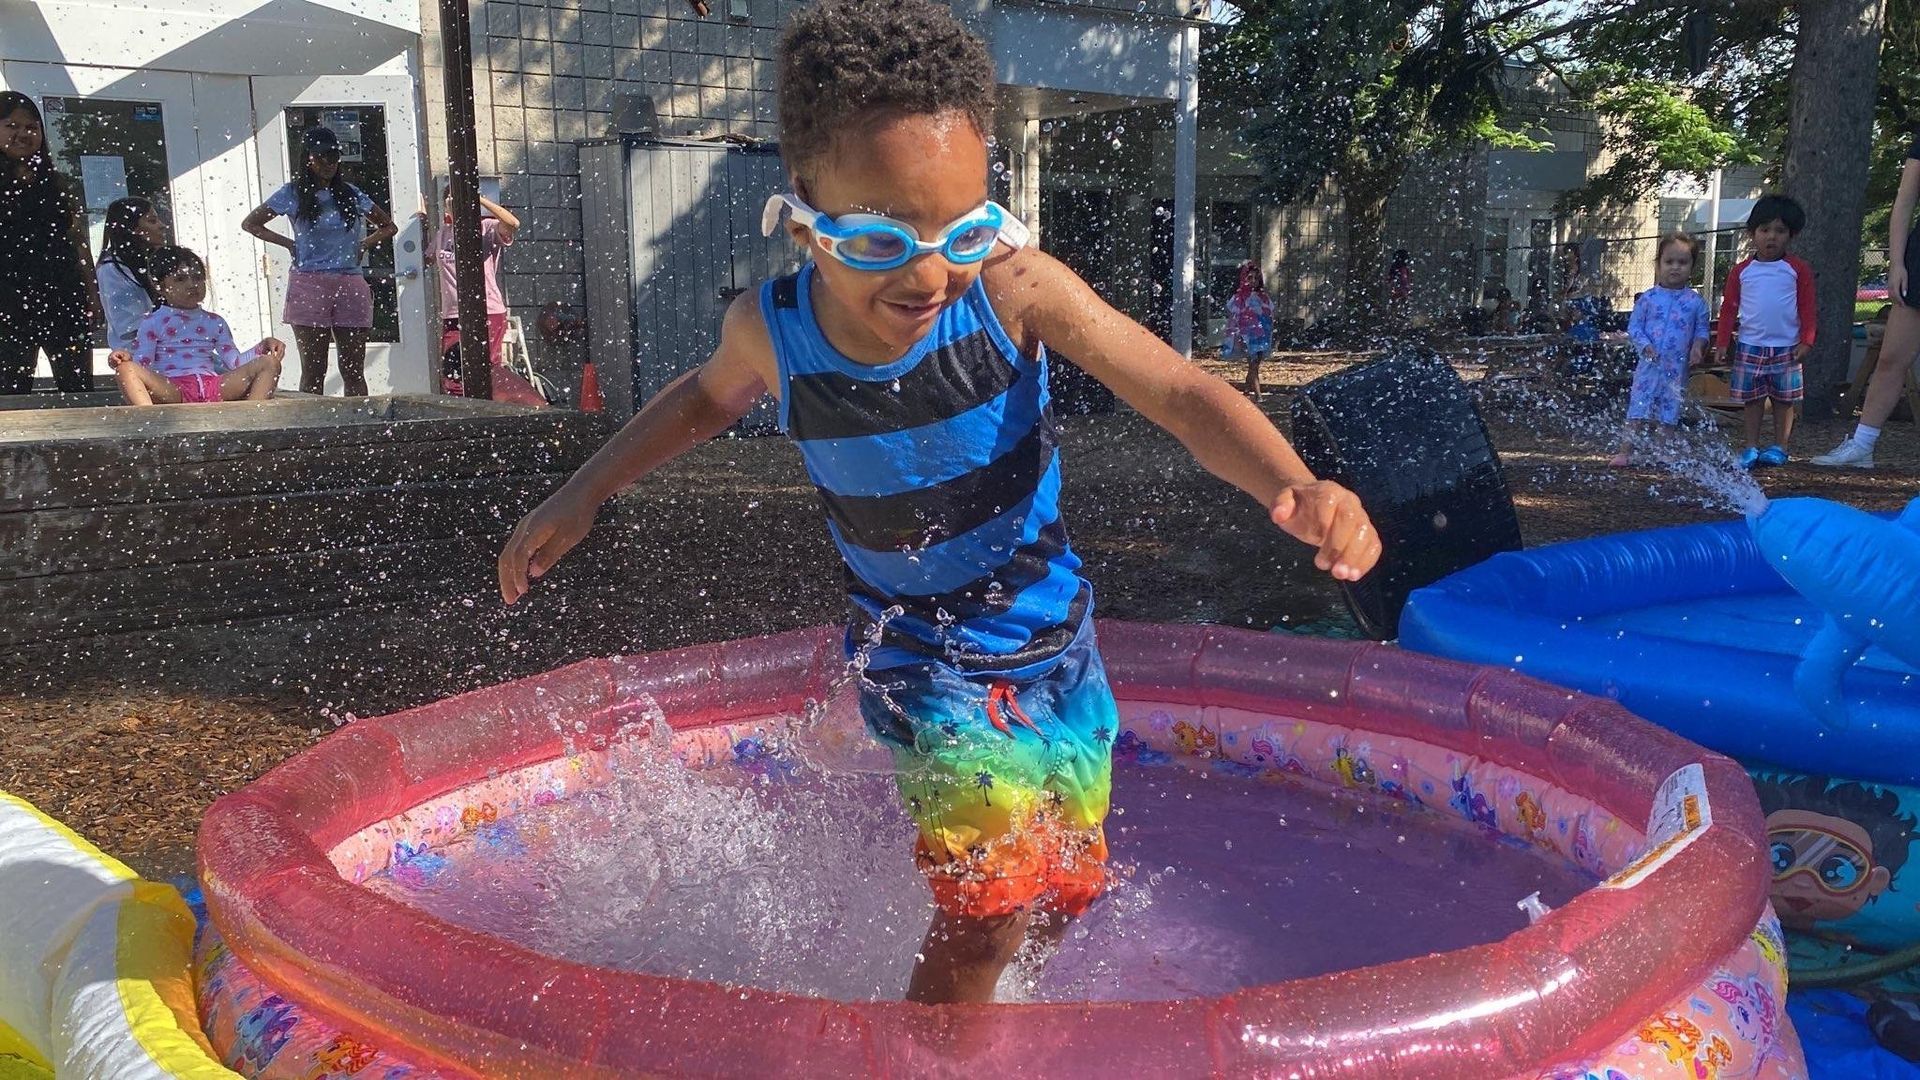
(1651, 130)
(1351, 91)
(1897, 113)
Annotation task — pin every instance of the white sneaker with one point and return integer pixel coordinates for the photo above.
(1849, 454)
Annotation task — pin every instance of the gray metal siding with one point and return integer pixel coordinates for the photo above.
(605, 242)
(696, 243)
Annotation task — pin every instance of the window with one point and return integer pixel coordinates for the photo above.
(1229, 242)
(109, 150)
(1493, 256)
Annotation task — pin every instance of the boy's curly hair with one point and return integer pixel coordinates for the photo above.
(843, 59)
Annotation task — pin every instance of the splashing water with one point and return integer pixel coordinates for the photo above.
(791, 869)
(1696, 454)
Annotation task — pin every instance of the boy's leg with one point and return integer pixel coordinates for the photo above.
(1008, 785)
(961, 959)
(141, 386)
(1789, 389)
(1755, 410)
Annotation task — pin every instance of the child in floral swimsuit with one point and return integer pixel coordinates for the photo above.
(1669, 330)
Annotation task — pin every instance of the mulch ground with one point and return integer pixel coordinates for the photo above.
(128, 738)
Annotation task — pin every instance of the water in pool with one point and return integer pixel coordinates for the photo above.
(800, 878)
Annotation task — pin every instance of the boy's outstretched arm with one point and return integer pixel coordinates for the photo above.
(1225, 432)
(690, 410)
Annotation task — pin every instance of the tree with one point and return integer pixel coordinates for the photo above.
(1351, 92)
(1836, 59)
(1652, 130)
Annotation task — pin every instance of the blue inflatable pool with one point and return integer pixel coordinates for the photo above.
(1686, 627)
(1693, 630)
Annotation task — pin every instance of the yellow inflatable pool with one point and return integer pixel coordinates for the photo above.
(94, 962)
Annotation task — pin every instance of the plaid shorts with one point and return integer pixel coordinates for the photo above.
(1761, 371)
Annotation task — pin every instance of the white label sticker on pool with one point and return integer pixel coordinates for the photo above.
(1680, 813)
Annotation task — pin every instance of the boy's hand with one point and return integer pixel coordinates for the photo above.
(1800, 351)
(549, 532)
(118, 357)
(1330, 517)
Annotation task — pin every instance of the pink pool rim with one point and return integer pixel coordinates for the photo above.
(1624, 976)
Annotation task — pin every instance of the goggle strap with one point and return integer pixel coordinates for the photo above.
(770, 214)
(1013, 232)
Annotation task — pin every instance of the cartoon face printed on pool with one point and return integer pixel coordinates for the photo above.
(1471, 804)
(1835, 847)
(1352, 768)
(1195, 739)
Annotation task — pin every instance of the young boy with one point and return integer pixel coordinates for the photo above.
(1770, 295)
(184, 354)
(909, 365)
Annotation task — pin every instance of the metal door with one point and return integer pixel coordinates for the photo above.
(152, 134)
(695, 213)
(374, 115)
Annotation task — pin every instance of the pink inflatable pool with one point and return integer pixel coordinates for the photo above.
(1667, 965)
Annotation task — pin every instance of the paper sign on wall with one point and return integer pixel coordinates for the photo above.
(344, 123)
(103, 178)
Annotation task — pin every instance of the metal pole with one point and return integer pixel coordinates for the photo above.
(1713, 236)
(463, 173)
(1186, 129)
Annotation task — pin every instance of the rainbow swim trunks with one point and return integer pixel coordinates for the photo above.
(1007, 779)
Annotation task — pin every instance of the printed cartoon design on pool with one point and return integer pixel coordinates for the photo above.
(1671, 967)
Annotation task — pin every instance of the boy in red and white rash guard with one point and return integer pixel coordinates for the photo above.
(1769, 295)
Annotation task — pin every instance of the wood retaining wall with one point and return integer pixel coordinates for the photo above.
(122, 519)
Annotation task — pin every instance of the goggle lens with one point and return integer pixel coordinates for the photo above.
(973, 241)
(875, 246)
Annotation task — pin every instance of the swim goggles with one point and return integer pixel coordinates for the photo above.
(1835, 864)
(877, 242)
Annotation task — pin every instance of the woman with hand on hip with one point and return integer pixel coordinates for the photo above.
(328, 301)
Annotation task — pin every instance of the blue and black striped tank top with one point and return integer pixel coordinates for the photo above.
(940, 474)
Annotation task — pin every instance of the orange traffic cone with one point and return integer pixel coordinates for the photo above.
(590, 399)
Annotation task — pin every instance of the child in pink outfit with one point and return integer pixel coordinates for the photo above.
(184, 354)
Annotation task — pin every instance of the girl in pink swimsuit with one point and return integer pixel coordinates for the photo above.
(183, 353)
